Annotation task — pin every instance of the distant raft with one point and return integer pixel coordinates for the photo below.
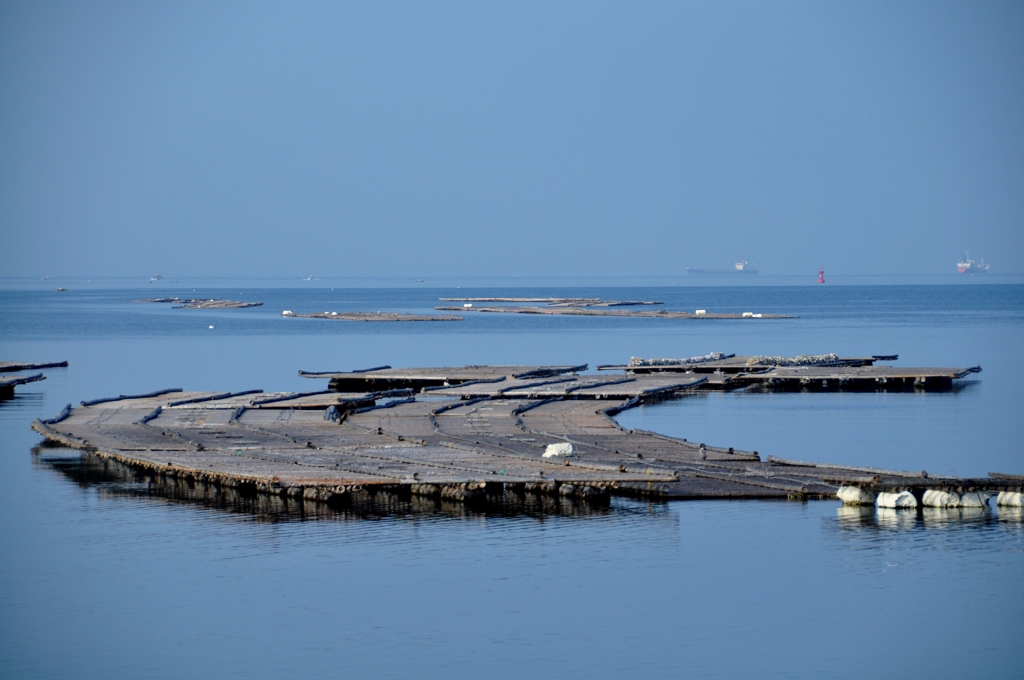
(196, 303)
(558, 301)
(588, 310)
(371, 316)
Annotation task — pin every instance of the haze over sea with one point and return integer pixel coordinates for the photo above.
(100, 578)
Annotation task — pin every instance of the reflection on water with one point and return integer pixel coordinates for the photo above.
(19, 403)
(859, 518)
(866, 516)
(238, 584)
(1011, 515)
(112, 478)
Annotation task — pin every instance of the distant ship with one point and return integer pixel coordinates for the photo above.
(155, 277)
(741, 267)
(969, 266)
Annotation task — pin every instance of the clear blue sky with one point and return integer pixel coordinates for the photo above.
(473, 138)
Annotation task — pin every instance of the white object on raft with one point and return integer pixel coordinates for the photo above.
(701, 312)
(748, 314)
(557, 450)
(1010, 499)
(854, 495)
(287, 312)
(903, 499)
(468, 305)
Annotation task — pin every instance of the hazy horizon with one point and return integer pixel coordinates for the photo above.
(532, 139)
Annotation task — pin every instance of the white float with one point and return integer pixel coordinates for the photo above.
(974, 499)
(903, 499)
(937, 498)
(1010, 499)
(854, 495)
(562, 449)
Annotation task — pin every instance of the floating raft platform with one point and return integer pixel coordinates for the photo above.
(861, 378)
(730, 363)
(557, 301)
(387, 378)
(8, 383)
(195, 303)
(823, 372)
(13, 366)
(372, 316)
(461, 433)
(589, 311)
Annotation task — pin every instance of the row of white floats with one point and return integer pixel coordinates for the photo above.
(932, 498)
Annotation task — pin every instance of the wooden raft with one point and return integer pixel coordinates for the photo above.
(460, 433)
(557, 301)
(373, 316)
(8, 383)
(785, 373)
(13, 366)
(731, 363)
(570, 310)
(386, 377)
(209, 303)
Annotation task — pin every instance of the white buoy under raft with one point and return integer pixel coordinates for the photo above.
(854, 495)
(895, 500)
(941, 498)
(1010, 499)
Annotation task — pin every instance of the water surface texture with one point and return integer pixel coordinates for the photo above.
(100, 578)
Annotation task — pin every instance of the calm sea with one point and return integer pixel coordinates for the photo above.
(99, 579)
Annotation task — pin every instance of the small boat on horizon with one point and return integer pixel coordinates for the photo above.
(969, 266)
(741, 267)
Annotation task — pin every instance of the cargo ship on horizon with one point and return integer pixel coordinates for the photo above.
(741, 267)
(969, 266)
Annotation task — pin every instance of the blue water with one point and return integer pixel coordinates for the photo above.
(100, 580)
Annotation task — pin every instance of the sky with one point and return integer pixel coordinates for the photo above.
(222, 138)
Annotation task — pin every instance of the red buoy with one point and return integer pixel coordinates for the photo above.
(821, 275)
